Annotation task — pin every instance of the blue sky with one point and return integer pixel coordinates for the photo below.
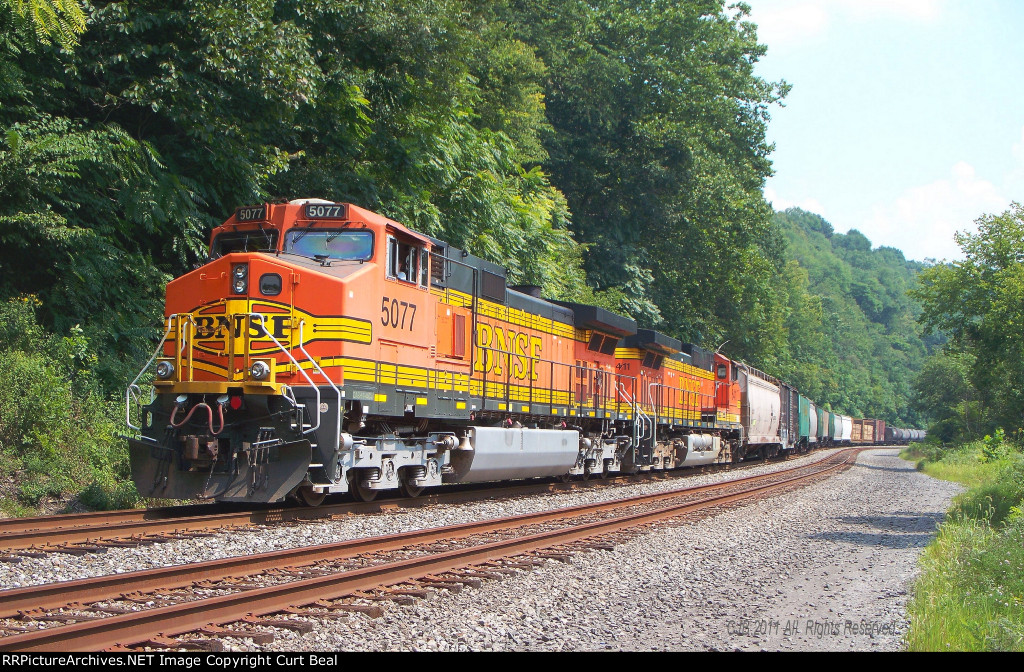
(906, 118)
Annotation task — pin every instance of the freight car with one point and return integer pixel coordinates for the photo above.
(904, 436)
(327, 349)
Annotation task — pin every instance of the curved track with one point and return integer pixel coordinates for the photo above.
(94, 532)
(444, 557)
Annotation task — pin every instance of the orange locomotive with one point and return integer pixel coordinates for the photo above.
(327, 349)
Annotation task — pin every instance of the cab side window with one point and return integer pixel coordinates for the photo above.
(404, 261)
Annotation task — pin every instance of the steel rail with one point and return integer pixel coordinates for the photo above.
(128, 629)
(48, 532)
(54, 595)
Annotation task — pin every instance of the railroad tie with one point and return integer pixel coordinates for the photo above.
(404, 600)
(188, 644)
(409, 593)
(74, 550)
(483, 574)
(310, 613)
(454, 577)
(256, 637)
(369, 610)
(301, 627)
(451, 586)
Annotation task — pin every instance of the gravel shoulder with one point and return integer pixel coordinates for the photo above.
(842, 550)
(826, 567)
(249, 541)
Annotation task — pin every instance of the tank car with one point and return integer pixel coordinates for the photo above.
(808, 424)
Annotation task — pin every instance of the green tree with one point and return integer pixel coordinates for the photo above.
(426, 113)
(979, 304)
(944, 393)
(851, 331)
(52, 21)
(658, 144)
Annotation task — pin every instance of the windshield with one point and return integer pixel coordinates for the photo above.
(344, 244)
(244, 241)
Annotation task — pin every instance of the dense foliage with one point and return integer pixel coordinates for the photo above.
(612, 152)
(850, 336)
(979, 303)
(969, 593)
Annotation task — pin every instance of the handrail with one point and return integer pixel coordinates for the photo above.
(642, 419)
(129, 394)
(302, 346)
(185, 342)
(309, 380)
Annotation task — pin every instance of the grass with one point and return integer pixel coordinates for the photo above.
(970, 595)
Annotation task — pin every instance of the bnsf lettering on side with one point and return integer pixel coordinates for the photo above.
(494, 345)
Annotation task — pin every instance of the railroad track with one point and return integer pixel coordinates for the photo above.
(96, 532)
(328, 580)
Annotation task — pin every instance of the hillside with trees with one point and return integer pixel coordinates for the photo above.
(854, 340)
(972, 387)
(612, 152)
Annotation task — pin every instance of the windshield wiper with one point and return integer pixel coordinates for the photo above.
(270, 242)
(303, 232)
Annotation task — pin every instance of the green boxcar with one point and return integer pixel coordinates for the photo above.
(822, 423)
(805, 419)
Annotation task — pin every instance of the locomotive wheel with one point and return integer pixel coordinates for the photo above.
(311, 497)
(360, 493)
(409, 490)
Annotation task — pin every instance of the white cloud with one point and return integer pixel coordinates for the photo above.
(779, 203)
(923, 219)
(1018, 148)
(780, 25)
(911, 10)
(786, 23)
(1014, 182)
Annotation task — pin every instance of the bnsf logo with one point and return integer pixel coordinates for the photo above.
(218, 331)
(495, 347)
(217, 326)
(213, 331)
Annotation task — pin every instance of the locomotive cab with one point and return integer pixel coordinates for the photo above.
(249, 400)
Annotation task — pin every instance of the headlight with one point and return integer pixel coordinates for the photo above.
(164, 370)
(259, 370)
(240, 278)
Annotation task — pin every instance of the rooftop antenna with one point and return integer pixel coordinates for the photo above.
(718, 350)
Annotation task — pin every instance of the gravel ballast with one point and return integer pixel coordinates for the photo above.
(58, 567)
(826, 567)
